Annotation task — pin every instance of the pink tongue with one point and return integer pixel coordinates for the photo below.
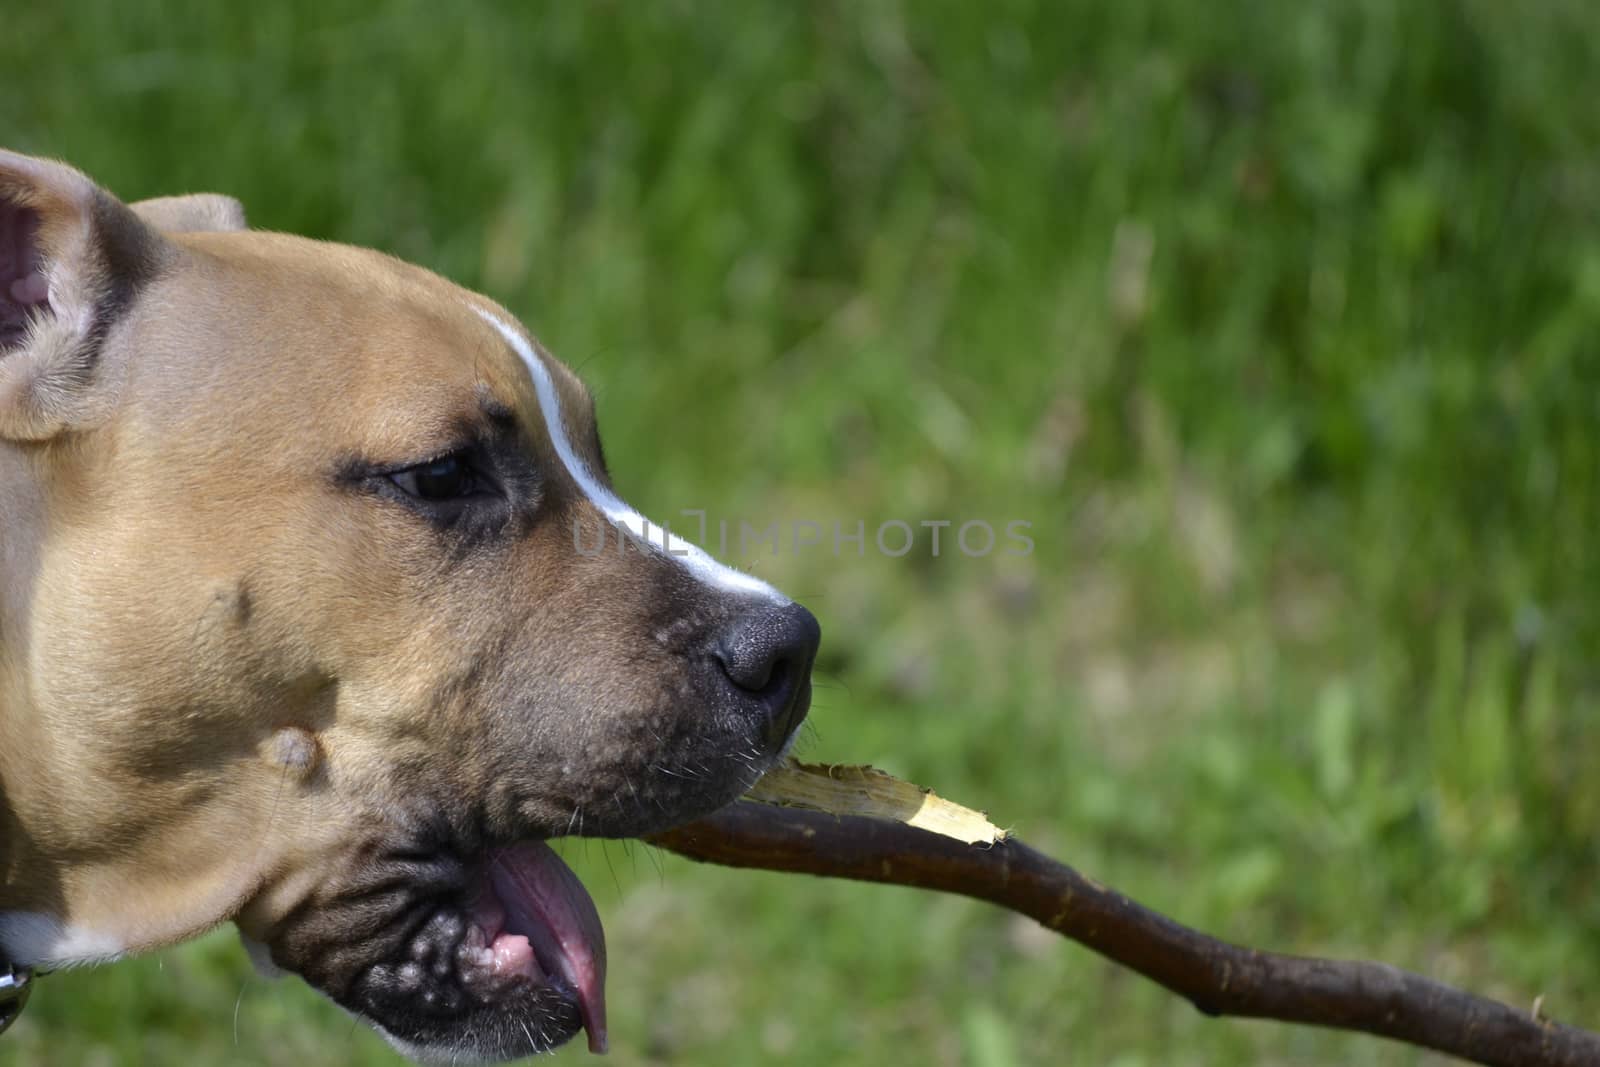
(546, 903)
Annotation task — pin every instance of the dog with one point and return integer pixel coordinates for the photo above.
(303, 625)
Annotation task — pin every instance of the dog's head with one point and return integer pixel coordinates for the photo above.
(318, 612)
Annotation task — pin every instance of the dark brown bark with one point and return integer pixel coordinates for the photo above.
(1218, 977)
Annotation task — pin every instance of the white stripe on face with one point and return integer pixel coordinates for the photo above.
(697, 561)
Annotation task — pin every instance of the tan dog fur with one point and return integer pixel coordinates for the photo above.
(228, 679)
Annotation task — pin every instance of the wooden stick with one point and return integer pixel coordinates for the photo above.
(1218, 977)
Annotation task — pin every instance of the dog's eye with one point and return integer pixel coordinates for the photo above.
(446, 478)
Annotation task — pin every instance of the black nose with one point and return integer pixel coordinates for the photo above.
(766, 653)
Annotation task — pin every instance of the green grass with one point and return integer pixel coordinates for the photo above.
(1280, 322)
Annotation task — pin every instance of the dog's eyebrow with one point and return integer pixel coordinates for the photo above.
(496, 412)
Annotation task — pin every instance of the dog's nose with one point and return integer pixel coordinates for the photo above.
(767, 655)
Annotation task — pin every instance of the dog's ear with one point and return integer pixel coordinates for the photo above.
(194, 213)
(72, 257)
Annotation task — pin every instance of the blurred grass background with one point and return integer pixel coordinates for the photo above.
(1278, 321)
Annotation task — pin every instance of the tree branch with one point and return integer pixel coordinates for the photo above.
(1218, 977)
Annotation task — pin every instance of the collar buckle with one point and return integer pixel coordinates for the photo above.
(15, 985)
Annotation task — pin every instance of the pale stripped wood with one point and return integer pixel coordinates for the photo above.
(844, 789)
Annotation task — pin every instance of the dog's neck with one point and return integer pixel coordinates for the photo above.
(21, 511)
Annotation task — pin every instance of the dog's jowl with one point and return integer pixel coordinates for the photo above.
(296, 631)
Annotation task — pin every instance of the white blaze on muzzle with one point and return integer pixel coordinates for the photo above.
(695, 559)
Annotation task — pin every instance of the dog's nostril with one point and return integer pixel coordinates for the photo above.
(777, 678)
(754, 669)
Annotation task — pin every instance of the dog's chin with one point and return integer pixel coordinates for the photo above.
(536, 1020)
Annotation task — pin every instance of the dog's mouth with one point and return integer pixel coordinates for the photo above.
(533, 920)
(464, 946)
(511, 964)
